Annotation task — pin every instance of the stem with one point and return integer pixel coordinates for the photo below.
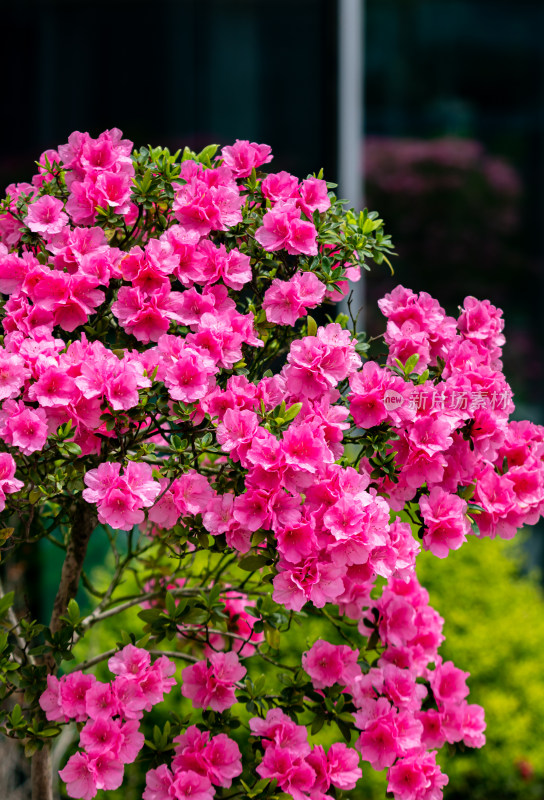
(109, 653)
(84, 523)
(98, 615)
(41, 776)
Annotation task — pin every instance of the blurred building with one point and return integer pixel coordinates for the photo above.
(455, 111)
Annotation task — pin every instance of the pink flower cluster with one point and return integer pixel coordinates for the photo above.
(283, 226)
(244, 156)
(120, 499)
(8, 483)
(302, 771)
(333, 536)
(209, 200)
(327, 664)
(110, 737)
(100, 174)
(211, 683)
(445, 445)
(60, 384)
(286, 301)
(201, 762)
(396, 732)
(185, 496)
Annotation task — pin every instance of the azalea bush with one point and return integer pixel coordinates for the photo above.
(264, 478)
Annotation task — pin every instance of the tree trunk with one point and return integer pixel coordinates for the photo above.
(83, 524)
(42, 779)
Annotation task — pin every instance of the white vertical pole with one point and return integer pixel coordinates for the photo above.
(351, 118)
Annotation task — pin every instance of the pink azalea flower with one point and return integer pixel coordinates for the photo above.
(313, 196)
(8, 483)
(189, 785)
(13, 374)
(99, 701)
(279, 186)
(23, 427)
(294, 775)
(448, 683)
(218, 758)
(73, 694)
(343, 766)
(100, 736)
(131, 661)
(432, 736)
(54, 388)
(216, 263)
(45, 216)
(80, 776)
(236, 432)
(279, 729)
(108, 771)
(416, 777)
(120, 510)
(446, 524)
(243, 156)
(129, 697)
(213, 686)
(327, 664)
(51, 702)
(473, 725)
(158, 784)
(132, 741)
(282, 303)
(379, 743)
(302, 238)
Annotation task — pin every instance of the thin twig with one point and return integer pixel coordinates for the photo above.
(95, 617)
(15, 624)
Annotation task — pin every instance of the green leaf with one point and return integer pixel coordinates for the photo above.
(16, 716)
(48, 732)
(371, 225)
(317, 724)
(6, 602)
(188, 154)
(411, 364)
(272, 637)
(30, 748)
(64, 430)
(205, 156)
(292, 412)
(251, 563)
(170, 604)
(196, 616)
(312, 326)
(257, 538)
(149, 615)
(74, 613)
(344, 729)
(175, 442)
